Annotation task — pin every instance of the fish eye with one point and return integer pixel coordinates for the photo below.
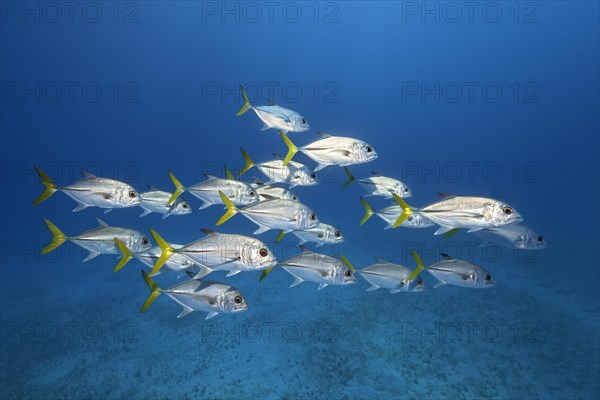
(237, 299)
(313, 175)
(487, 277)
(401, 283)
(369, 149)
(540, 238)
(347, 273)
(252, 194)
(303, 121)
(294, 197)
(507, 210)
(337, 234)
(132, 194)
(185, 205)
(420, 282)
(313, 217)
(405, 189)
(145, 241)
(263, 252)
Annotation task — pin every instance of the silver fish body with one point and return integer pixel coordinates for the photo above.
(338, 150)
(320, 234)
(266, 192)
(390, 276)
(377, 185)
(293, 173)
(390, 214)
(92, 191)
(514, 236)
(451, 271)
(280, 214)
(277, 117)
(319, 268)
(156, 201)
(175, 263)
(240, 193)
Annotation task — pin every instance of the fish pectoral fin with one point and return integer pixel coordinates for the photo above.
(443, 229)
(80, 206)
(91, 255)
(322, 286)
(265, 127)
(103, 195)
(234, 272)
(474, 230)
(211, 314)
(107, 210)
(186, 310)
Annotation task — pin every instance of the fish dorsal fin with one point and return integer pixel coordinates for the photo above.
(446, 195)
(375, 173)
(382, 261)
(323, 134)
(208, 232)
(153, 188)
(88, 175)
(101, 223)
(305, 249)
(447, 257)
(270, 102)
(210, 177)
(277, 156)
(268, 197)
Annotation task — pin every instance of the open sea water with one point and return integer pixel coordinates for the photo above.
(492, 99)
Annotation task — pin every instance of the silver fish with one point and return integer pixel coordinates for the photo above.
(319, 268)
(274, 116)
(390, 276)
(292, 173)
(320, 234)
(272, 213)
(391, 214)
(273, 192)
(377, 185)
(198, 295)
(92, 191)
(452, 271)
(156, 201)
(100, 240)
(332, 150)
(219, 252)
(240, 193)
(515, 235)
(474, 213)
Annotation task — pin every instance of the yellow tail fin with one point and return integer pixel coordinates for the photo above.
(345, 261)
(154, 291)
(167, 252)
(368, 211)
(406, 211)
(249, 162)
(127, 254)
(178, 188)
(58, 237)
(350, 178)
(265, 273)
(50, 187)
(246, 106)
(292, 149)
(228, 174)
(420, 266)
(231, 209)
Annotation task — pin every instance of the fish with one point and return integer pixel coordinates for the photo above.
(100, 240)
(272, 191)
(377, 185)
(240, 193)
(394, 277)
(274, 116)
(273, 213)
(390, 215)
(156, 200)
(474, 213)
(319, 268)
(320, 234)
(332, 150)
(292, 173)
(516, 236)
(176, 263)
(218, 251)
(198, 295)
(452, 271)
(92, 191)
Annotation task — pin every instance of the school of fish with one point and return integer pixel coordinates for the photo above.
(271, 205)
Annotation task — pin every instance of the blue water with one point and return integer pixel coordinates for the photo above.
(501, 101)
